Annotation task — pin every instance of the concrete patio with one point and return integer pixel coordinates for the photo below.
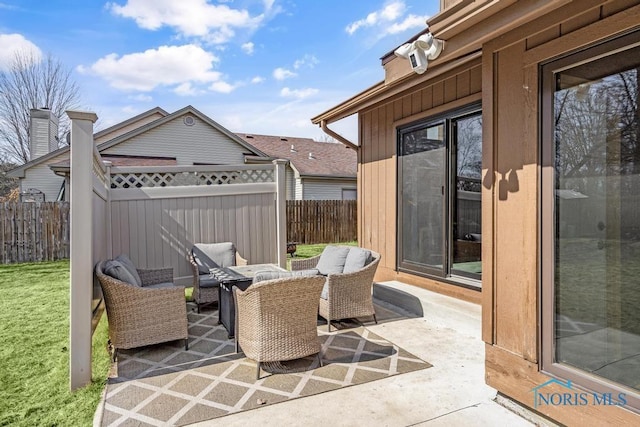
(440, 330)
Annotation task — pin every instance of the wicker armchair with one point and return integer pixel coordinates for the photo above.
(349, 295)
(145, 315)
(276, 320)
(205, 286)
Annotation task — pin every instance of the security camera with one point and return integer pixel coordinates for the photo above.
(421, 51)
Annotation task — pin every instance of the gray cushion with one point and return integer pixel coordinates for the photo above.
(214, 255)
(118, 271)
(356, 259)
(161, 285)
(332, 259)
(208, 281)
(325, 291)
(271, 275)
(128, 264)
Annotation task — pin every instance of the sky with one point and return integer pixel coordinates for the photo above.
(253, 66)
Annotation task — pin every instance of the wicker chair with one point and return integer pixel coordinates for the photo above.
(349, 295)
(145, 315)
(276, 320)
(205, 287)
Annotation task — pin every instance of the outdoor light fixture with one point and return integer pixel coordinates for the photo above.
(422, 50)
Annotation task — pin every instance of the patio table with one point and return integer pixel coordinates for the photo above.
(240, 276)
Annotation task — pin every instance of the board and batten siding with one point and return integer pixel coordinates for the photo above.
(199, 143)
(159, 233)
(42, 178)
(377, 158)
(326, 189)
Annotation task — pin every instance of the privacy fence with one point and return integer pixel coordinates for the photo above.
(321, 221)
(34, 231)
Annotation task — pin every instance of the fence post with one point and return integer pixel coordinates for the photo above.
(281, 211)
(81, 247)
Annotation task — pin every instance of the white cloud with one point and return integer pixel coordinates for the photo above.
(215, 23)
(222, 87)
(389, 13)
(248, 48)
(164, 66)
(298, 93)
(257, 79)
(185, 89)
(16, 43)
(282, 73)
(308, 61)
(411, 21)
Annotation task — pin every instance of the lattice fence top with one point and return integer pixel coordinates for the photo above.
(178, 179)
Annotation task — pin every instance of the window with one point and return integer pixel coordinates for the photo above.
(590, 218)
(440, 166)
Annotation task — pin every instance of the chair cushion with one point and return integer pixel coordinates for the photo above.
(325, 291)
(207, 281)
(161, 285)
(356, 259)
(262, 275)
(128, 264)
(332, 259)
(118, 271)
(214, 255)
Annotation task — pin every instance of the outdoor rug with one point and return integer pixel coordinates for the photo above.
(165, 385)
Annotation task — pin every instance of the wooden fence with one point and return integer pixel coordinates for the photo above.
(34, 231)
(321, 221)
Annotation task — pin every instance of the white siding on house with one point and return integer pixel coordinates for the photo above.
(41, 177)
(130, 127)
(326, 189)
(200, 143)
(290, 183)
(298, 189)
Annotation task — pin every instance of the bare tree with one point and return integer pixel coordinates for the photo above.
(32, 82)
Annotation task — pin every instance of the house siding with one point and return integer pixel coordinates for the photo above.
(325, 189)
(298, 189)
(290, 179)
(200, 143)
(377, 183)
(135, 125)
(42, 178)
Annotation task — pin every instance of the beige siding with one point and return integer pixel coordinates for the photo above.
(159, 232)
(199, 143)
(291, 183)
(42, 178)
(326, 189)
(128, 128)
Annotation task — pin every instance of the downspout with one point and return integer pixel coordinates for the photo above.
(333, 134)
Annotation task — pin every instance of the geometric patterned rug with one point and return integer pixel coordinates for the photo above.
(164, 385)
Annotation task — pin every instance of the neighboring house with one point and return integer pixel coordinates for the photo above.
(507, 174)
(317, 170)
(187, 137)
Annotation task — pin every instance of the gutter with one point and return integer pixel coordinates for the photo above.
(333, 134)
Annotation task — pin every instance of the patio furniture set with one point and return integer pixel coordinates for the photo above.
(276, 309)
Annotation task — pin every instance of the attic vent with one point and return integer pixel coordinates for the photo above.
(293, 149)
(283, 139)
(189, 120)
(249, 136)
(311, 155)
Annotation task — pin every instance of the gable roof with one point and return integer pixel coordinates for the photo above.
(19, 172)
(329, 159)
(186, 110)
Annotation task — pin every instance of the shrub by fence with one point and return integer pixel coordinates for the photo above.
(321, 221)
(34, 231)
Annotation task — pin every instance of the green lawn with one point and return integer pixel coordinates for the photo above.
(308, 251)
(34, 372)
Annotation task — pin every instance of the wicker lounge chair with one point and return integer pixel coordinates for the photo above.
(345, 295)
(152, 313)
(204, 256)
(276, 320)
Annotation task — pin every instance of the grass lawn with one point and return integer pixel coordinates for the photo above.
(308, 251)
(34, 375)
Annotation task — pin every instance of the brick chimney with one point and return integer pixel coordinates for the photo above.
(43, 132)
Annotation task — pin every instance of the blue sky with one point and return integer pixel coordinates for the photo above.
(254, 66)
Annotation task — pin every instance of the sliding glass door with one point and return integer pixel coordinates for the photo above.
(439, 164)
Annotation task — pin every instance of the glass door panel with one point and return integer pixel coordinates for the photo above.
(422, 177)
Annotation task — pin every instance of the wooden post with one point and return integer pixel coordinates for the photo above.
(281, 211)
(81, 246)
